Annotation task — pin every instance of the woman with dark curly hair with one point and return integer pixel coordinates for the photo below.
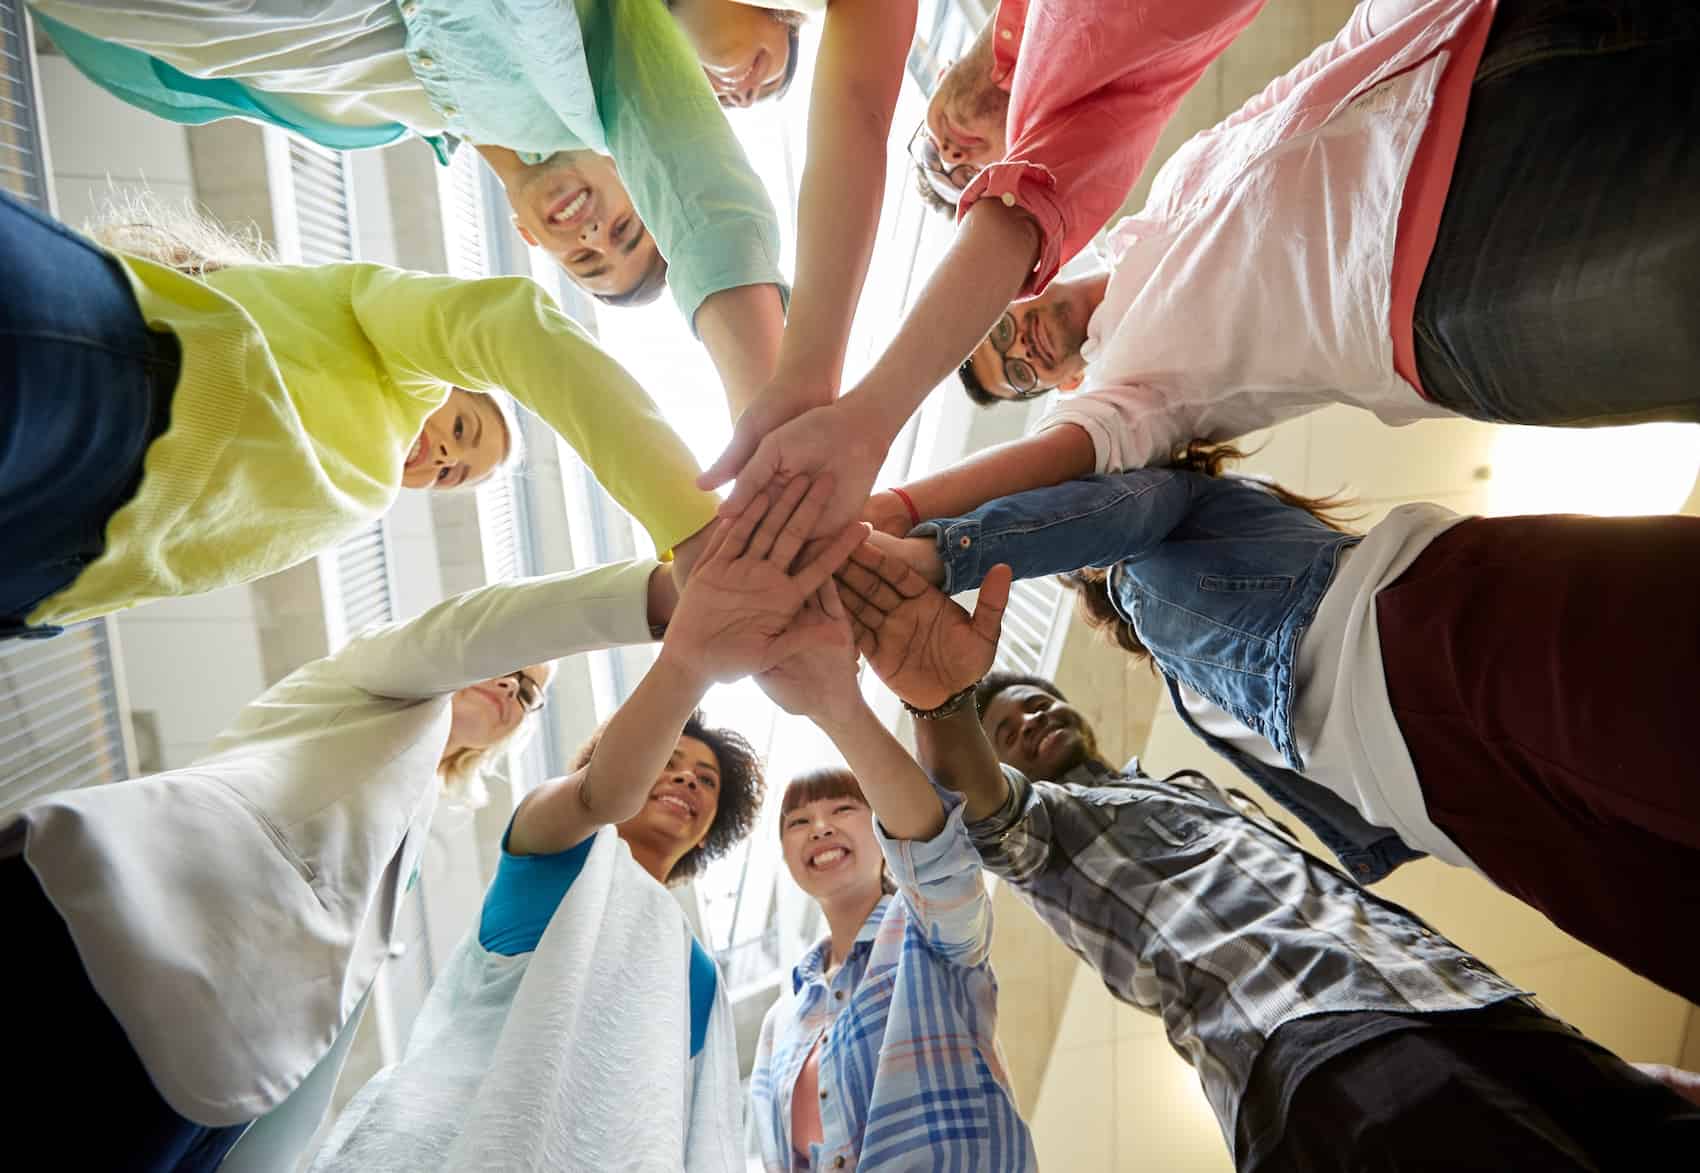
(583, 1026)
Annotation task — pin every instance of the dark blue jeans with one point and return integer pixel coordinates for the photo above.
(85, 386)
(1564, 287)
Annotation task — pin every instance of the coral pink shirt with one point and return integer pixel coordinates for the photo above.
(1091, 84)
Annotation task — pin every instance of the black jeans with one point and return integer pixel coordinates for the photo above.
(1564, 286)
(77, 1084)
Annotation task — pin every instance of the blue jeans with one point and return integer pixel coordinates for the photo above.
(1564, 286)
(85, 386)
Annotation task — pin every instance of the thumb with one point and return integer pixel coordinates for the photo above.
(737, 454)
(989, 607)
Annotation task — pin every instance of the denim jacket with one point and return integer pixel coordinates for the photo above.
(1219, 578)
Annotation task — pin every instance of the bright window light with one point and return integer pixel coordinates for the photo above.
(1609, 472)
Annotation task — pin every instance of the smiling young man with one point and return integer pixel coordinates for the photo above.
(1377, 229)
(1330, 1029)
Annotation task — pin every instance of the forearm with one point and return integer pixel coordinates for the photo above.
(633, 750)
(973, 285)
(955, 753)
(1047, 458)
(743, 328)
(896, 788)
(857, 76)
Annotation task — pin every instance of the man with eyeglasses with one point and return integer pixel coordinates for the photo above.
(1037, 346)
(1052, 113)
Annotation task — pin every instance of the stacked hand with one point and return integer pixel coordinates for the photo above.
(769, 445)
(736, 615)
(924, 646)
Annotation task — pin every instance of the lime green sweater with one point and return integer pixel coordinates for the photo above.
(301, 391)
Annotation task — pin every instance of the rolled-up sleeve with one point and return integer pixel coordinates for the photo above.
(940, 880)
(1093, 85)
(683, 168)
(1015, 844)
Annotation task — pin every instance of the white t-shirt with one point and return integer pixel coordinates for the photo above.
(1343, 723)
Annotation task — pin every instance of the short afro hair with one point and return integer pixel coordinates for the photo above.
(995, 682)
(742, 788)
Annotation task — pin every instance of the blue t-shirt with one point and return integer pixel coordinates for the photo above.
(524, 896)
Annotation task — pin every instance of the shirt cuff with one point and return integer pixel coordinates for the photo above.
(919, 863)
(991, 830)
(958, 543)
(1031, 187)
(728, 254)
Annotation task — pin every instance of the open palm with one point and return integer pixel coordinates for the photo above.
(924, 646)
(735, 615)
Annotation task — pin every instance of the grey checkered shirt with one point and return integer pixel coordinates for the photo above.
(1210, 919)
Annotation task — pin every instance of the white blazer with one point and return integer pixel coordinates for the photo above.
(233, 914)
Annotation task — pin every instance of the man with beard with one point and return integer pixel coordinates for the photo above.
(1331, 1030)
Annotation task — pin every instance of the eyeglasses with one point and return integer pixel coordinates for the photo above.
(948, 183)
(1017, 372)
(527, 691)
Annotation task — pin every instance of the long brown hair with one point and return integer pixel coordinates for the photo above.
(1093, 585)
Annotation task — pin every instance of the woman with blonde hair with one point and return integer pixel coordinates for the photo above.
(202, 941)
(181, 422)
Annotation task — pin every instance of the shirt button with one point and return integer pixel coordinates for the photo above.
(450, 111)
(1005, 34)
(823, 1095)
(839, 994)
(1009, 199)
(838, 1161)
(965, 542)
(426, 60)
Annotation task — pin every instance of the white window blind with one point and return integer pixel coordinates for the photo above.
(60, 724)
(324, 220)
(23, 160)
(1032, 626)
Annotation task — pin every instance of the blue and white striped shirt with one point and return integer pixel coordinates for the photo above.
(909, 1068)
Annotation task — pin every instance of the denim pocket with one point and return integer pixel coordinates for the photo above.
(1231, 583)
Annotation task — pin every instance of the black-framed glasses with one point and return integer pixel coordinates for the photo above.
(1020, 374)
(527, 691)
(948, 183)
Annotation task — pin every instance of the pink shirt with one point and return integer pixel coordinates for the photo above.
(1263, 277)
(1091, 84)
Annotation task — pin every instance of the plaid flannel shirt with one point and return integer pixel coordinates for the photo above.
(1193, 911)
(909, 1068)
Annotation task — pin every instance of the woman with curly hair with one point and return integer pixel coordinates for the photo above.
(581, 1025)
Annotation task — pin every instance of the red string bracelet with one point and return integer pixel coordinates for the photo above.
(909, 504)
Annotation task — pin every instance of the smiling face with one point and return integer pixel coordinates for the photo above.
(744, 49)
(489, 712)
(682, 803)
(1036, 733)
(461, 442)
(830, 849)
(574, 207)
(1035, 346)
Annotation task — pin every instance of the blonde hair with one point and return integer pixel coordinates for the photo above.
(179, 236)
(463, 770)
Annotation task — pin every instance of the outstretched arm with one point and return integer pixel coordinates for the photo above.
(986, 264)
(734, 618)
(1032, 462)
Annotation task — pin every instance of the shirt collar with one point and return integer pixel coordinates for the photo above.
(814, 961)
